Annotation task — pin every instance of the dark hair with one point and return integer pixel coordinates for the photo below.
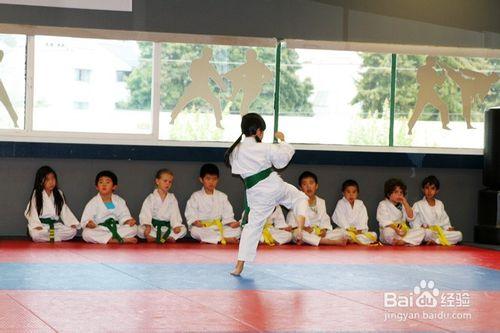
(209, 169)
(38, 189)
(160, 173)
(431, 180)
(250, 123)
(308, 174)
(106, 173)
(391, 184)
(350, 182)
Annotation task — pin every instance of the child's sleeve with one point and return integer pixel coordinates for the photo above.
(338, 216)
(191, 211)
(445, 219)
(324, 219)
(32, 215)
(227, 211)
(123, 212)
(146, 214)
(363, 218)
(405, 215)
(290, 219)
(88, 213)
(280, 154)
(383, 216)
(417, 216)
(175, 217)
(67, 215)
(279, 218)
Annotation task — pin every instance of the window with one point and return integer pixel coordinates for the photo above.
(102, 105)
(199, 82)
(121, 76)
(12, 81)
(80, 105)
(199, 91)
(335, 97)
(441, 100)
(82, 75)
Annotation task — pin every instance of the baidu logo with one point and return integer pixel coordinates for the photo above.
(424, 295)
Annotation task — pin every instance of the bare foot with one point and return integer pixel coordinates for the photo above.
(131, 240)
(113, 241)
(238, 268)
(150, 239)
(170, 240)
(446, 127)
(431, 242)
(232, 240)
(218, 124)
(399, 242)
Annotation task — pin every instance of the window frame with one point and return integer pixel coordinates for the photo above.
(28, 134)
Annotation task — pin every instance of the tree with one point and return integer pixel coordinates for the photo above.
(374, 86)
(176, 60)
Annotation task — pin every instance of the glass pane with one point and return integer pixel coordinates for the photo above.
(335, 97)
(452, 94)
(200, 81)
(12, 80)
(92, 85)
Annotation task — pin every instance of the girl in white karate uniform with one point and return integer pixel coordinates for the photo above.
(350, 215)
(253, 161)
(392, 215)
(209, 213)
(49, 217)
(318, 228)
(160, 219)
(431, 216)
(106, 218)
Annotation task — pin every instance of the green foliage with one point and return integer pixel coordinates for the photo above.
(176, 61)
(374, 86)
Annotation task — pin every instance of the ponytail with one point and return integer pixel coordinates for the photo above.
(230, 150)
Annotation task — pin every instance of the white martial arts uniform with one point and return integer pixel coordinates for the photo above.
(163, 210)
(355, 217)
(96, 211)
(274, 223)
(316, 217)
(249, 158)
(208, 207)
(62, 231)
(426, 215)
(387, 214)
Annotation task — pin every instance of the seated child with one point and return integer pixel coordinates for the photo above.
(209, 214)
(49, 217)
(430, 215)
(392, 215)
(276, 231)
(106, 218)
(160, 219)
(350, 215)
(317, 228)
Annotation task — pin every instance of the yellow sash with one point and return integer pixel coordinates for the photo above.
(401, 225)
(351, 232)
(266, 233)
(218, 223)
(442, 237)
(317, 230)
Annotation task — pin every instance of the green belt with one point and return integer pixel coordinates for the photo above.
(50, 222)
(158, 224)
(111, 225)
(250, 182)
